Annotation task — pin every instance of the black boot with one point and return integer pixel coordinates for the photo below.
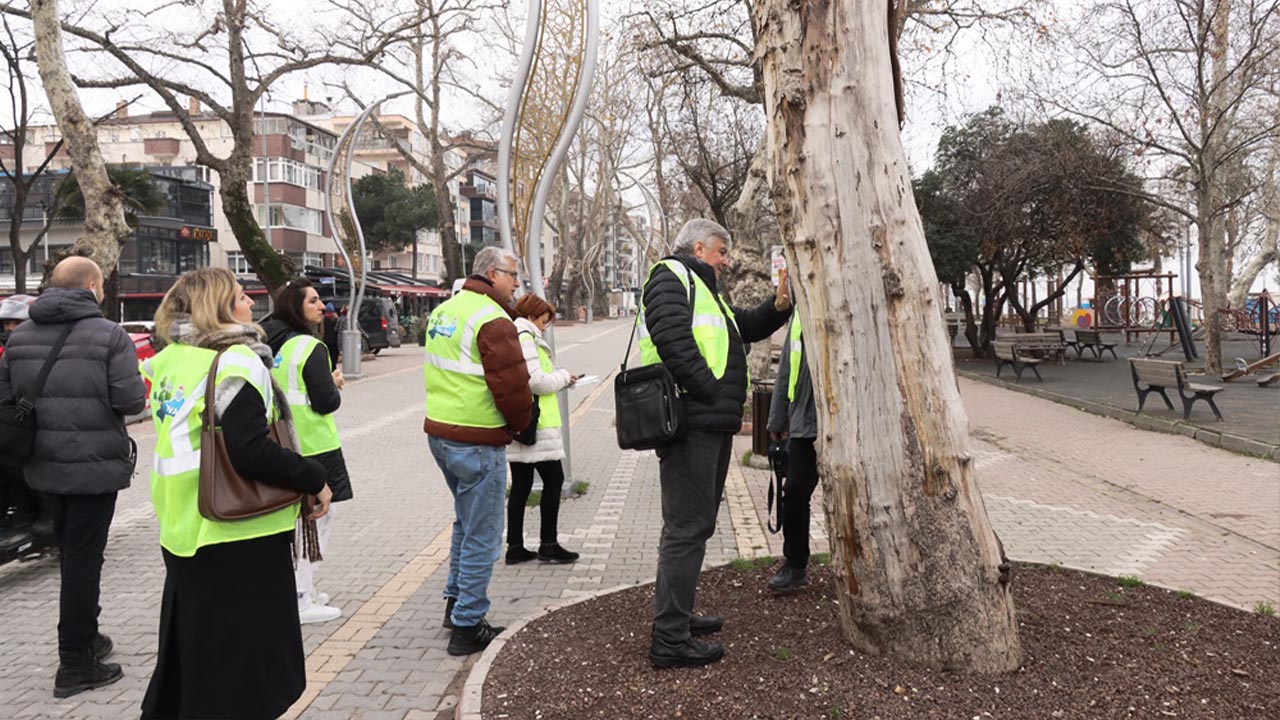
(448, 612)
(473, 639)
(553, 553)
(689, 653)
(705, 624)
(102, 647)
(79, 670)
(788, 579)
(516, 554)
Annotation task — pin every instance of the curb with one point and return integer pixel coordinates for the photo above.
(470, 702)
(1227, 441)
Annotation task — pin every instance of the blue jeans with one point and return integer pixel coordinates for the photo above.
(477, 477)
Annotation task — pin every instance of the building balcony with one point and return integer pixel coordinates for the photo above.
(487, 190)
(161, 147)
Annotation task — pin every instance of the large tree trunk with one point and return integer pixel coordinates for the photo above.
(15, 237)
(754, 228)
(916, 556)
(105, 229)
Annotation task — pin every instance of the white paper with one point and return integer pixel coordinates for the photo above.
(586, 380)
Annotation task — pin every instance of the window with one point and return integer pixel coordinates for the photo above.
(288, 171)
(312, 259)
(293, 216)
(237, 264)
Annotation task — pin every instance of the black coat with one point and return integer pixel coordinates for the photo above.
(325, 400)
(81, 444)
(711, 405)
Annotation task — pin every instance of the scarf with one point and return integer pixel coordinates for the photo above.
(306, 543)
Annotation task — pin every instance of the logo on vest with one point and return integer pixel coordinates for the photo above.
(278, 361)
(167, 400)
(442, 327)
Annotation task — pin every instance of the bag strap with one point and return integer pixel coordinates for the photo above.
(636, 326)
(210, 385)
(28, 402)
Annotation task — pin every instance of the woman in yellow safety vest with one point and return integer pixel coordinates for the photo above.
(311, 385)
(533, 315)
(230, 643)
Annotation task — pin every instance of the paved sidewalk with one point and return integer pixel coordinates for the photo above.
(1061, 486)
(1068, 487)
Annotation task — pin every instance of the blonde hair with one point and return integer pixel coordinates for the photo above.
(206, 295)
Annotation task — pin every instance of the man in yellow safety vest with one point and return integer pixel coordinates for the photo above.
(478, 399)
(686, 326)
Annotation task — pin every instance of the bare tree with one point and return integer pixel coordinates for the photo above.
(105, 229)
(1253, 229)
(917, 560)
(1189, 85)
(240, 50)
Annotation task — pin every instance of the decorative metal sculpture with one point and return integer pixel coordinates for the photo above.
(547, 101)
(340, 210)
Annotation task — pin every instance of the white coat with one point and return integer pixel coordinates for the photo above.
(548, 445)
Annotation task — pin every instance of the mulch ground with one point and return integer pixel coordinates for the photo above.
(1092, 649)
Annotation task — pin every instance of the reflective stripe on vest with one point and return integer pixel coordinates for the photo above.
(710, 325)
(456, 390)
(797, 348)
(179, 375)
(316, 433)
(548, 405)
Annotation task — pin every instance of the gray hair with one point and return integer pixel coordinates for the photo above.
(490, 258)
(700, 229)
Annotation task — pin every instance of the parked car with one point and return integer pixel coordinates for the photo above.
(142, 333)
(379, 326)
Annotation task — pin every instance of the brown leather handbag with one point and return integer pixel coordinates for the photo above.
(224, 495)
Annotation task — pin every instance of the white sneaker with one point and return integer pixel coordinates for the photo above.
(319, 598)
(318, 614)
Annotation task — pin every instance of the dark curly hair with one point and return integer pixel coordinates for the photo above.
(288, 301)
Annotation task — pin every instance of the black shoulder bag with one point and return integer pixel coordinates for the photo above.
(18, 420)
(529, 435)
(648, 408)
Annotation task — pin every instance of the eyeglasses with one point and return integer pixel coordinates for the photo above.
(515, 274)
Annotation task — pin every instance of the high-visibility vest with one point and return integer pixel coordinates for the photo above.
(316, 433)
(456, 391)
(548, 405)
(797, 348)
(710, 322)
(179, 375)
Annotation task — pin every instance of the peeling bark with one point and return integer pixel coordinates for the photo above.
(916, 556)
(105, 229)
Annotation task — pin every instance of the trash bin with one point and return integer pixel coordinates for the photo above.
(761, 397)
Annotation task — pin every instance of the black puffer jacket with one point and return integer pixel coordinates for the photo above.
(81, 444)
(711, 405)
(325, 400)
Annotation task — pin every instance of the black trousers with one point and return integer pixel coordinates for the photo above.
(802, 478)
(692, 474)
(552, 474)
(80, 524)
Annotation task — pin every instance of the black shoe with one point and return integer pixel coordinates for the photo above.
(448, 612)
(473, 639)
(690, 653)
(79, 670)
(553, 553)
(102, 647)
(705, 624)
(788, 579)
(517, 554)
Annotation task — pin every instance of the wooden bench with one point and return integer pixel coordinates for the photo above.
(1092, 340)
(1008, 353)
(1161, 375)
(1033, 345)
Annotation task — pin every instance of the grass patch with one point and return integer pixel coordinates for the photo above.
(535, 497)
(749, 564)
(821, 558)
(746, 457)
(835, 712)
(784, 654)
(1129, 581)
(1262, 607)
(580, 488)
(1115, 596)
(1186, 595)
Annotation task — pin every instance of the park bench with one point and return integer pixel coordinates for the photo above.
(1041, 345)
(1008, 353)
(1161, 375)
(1092, 340)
